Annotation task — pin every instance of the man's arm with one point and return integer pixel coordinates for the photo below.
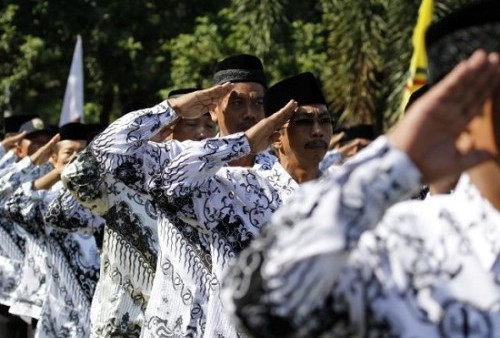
(288, 277)
(27, 206)
(199, 161)
(66, 214)
(124, 150)
(25, 170)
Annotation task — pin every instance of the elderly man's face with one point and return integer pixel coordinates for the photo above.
(241, 109)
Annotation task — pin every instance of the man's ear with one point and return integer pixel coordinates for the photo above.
(18, 148)
(213, 115)
(53, 159)
(276, 140)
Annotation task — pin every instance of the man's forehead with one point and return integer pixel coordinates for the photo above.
(243, 93)
(311, 109)
(71, 143)
(247, 89)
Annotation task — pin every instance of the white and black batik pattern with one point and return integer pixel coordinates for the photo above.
(7, 159)
(126, 273)
(110, 178)
(11, 245)
(226, 206)
(72, 257)
(18, 245)
(129, 159)
(311, 272)
(428, 269)
(74, 260)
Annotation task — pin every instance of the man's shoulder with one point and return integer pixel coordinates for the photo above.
(421, 217)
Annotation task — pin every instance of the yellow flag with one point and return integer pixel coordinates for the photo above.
(418, 64)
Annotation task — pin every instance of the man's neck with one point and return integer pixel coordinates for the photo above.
(299, 172)
(486, 177)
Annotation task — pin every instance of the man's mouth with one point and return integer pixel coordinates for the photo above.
(316, 144)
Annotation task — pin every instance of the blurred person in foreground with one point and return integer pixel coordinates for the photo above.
(344, 258)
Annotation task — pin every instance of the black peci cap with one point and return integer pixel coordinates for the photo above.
(73, 131)
(455, 37)
(303, 88)
(240, 68)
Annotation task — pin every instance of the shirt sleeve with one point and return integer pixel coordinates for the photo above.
(84, 179)
(9, 158)
(124, 149)
(26, 207)
(197, 163)
(122, 152)
(332, 157)
(14, 175)
(288, 282)
(66, 214)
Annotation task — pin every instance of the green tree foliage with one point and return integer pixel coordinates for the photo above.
(124, 56)
(135, 51)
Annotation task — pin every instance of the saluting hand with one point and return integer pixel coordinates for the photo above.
(43, 154)
(11, 141)
(195, 104)
(260, 135)
(431, 127)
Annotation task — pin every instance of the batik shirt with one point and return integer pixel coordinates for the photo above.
(9, 267)
(124, 150)
(6, 158)
(73, 258)
(335, 261)
(27, 255)
(179, 302)
(332, 158)
(109, 179)
(226, 205)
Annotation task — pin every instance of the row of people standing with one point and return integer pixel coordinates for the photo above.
(48, 275)
(178, 213)
(157, 218)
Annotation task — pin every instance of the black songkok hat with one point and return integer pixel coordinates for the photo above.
(302, 88)
(365, 131)
(240, 68)
(459, 34)
(73, 131)
(181, 91)
(13, 123)
(92, 130)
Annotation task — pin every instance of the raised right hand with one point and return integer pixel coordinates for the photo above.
(429, 131)
(11, 141)
(260, 135)
(193, 105)
(43, 154)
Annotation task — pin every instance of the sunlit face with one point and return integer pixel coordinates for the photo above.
(242, 108)
(65, 151)
(194, 129)
(28, 146)
(306, 136)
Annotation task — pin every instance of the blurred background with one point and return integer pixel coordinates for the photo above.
(136, 51)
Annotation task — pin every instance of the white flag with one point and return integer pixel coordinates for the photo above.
(72, 109)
